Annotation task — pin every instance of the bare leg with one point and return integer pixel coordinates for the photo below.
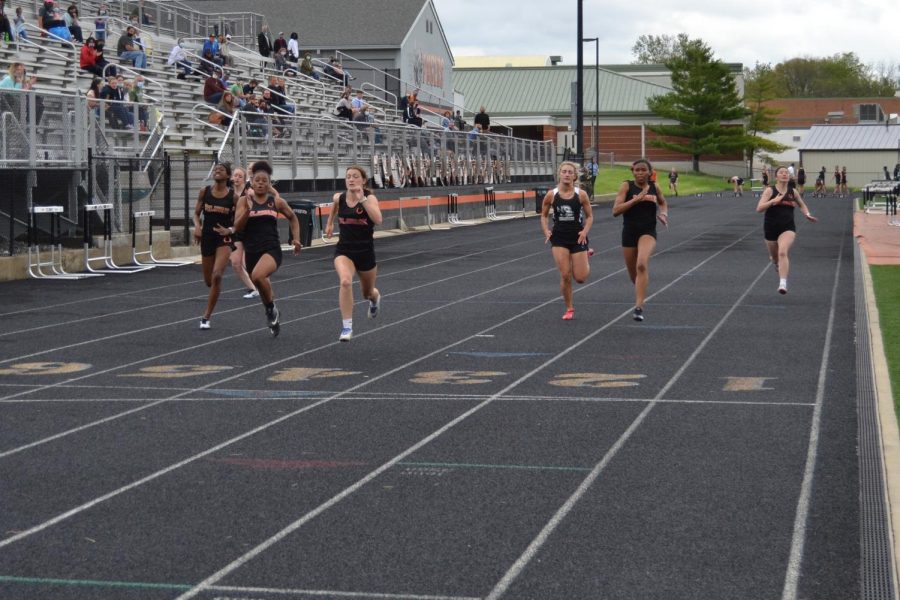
(213, 269)
(563, 260)
(785, 241)
(367, 284)
(237, 263)
(646, 244)
(260, 277)
(345, 270)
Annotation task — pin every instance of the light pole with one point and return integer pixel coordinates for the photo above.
(596, 129)
(579, 88)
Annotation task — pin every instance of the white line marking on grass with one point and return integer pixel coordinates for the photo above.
(266, 544)
(535, 546)
(795, 560)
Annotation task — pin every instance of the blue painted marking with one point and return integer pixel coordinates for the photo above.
(501, 354)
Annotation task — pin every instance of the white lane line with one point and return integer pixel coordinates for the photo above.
(795, 559)
(535, 546)
(254, 305)
(266, 544)
(332, 593)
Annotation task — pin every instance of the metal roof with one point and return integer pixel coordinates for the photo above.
(329, 23)
(547, 90)
(852, 137)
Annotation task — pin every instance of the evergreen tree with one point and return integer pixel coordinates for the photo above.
(759, 87)
(703, 100)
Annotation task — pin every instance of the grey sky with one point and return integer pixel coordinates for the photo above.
(771, 33)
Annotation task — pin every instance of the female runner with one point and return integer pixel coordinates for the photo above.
(572, 220)
(641, 204)
(358, 213)
(216, 204)
(778, 203)
(241, 187)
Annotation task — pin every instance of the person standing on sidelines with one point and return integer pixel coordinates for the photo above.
(357, 213)
(641, 204)
(572, 220)
(241, 188)
(673, 180)
(257, 219)
(778, 202)
(216, 204)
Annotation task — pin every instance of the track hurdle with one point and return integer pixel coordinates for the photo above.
(35, 264)
(453, 211)
(106, 248)
(135, 254)
(490, 206)
(875, 189)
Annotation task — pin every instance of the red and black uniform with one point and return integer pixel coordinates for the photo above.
(640, 219)
(779, 218)
(260, 233)
(216, 211)
(356, 240)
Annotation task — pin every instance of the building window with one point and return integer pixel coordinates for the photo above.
(796, 138)
(869, 112)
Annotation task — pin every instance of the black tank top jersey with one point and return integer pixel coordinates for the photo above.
(217, 211)
(784, 210)
(567, 214)
(356, 228)
(261, 231)
(642, 214)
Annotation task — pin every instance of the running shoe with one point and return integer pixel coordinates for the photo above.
(374, 307)
(638, 314)
(272, 317)
(568, 315)
(590, 251)
(782, 288)
(204, 323)
(251, 294)
(346, 334)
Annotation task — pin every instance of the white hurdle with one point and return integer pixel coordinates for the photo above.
(490, 205)
(106, 249)
(35, 264)
(154, 262)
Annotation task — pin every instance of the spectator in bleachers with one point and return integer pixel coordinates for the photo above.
(228, 105)
(264, 41)
(280, 43)
(281, 60)
(100, 23)
(447, 123)
(460, 122)
(293, 47)
(237, 90)
(474, 132)
(358, 102)
(250, 89)
(116, 112)
(225, 51)
(306, 67)
(19, 25)
(178, 58)
(7, 32)
(210, 52)
(279, 96)
(71, 18)
(88, 59)
(51, 19)
(344, 109)
(213, 90)
(413, 112)
(129, 50)
(15, 78)
(336, 71)
(100, 61)
(483, 119)
(135, 91)
(141, 13)
(93, 96)
(255, 117)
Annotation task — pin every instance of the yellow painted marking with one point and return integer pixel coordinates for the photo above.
(597, 380)
(177, 371)
(746, 384)
(304, 374)
(45, 368)
(455, 377)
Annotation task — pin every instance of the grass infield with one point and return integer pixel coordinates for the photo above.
(610, 178)
(886, 280)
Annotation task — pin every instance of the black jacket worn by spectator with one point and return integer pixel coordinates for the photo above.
(484, 120)
(265, 45)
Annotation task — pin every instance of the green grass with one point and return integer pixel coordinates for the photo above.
(886, 280)
(610, 178)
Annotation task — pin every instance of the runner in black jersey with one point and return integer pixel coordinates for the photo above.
(257, 219)
(778, 203)
(357, 213)
(241, 187)
(641, 203)
(572, 220)
(216, 204)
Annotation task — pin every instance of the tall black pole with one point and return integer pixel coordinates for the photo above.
(597, 100)
(579, 86)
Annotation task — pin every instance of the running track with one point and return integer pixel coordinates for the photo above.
(466, 444)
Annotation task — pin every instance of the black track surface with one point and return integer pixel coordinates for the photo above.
(465, 444)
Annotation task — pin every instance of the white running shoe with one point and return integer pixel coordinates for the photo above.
(782, 288)
(204, 323)
(346, 334)
(251, 294)
(374, 307)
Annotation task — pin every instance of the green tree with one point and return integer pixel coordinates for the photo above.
(658, 49)
(841, 75)
(703, 98)
(760, 87)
